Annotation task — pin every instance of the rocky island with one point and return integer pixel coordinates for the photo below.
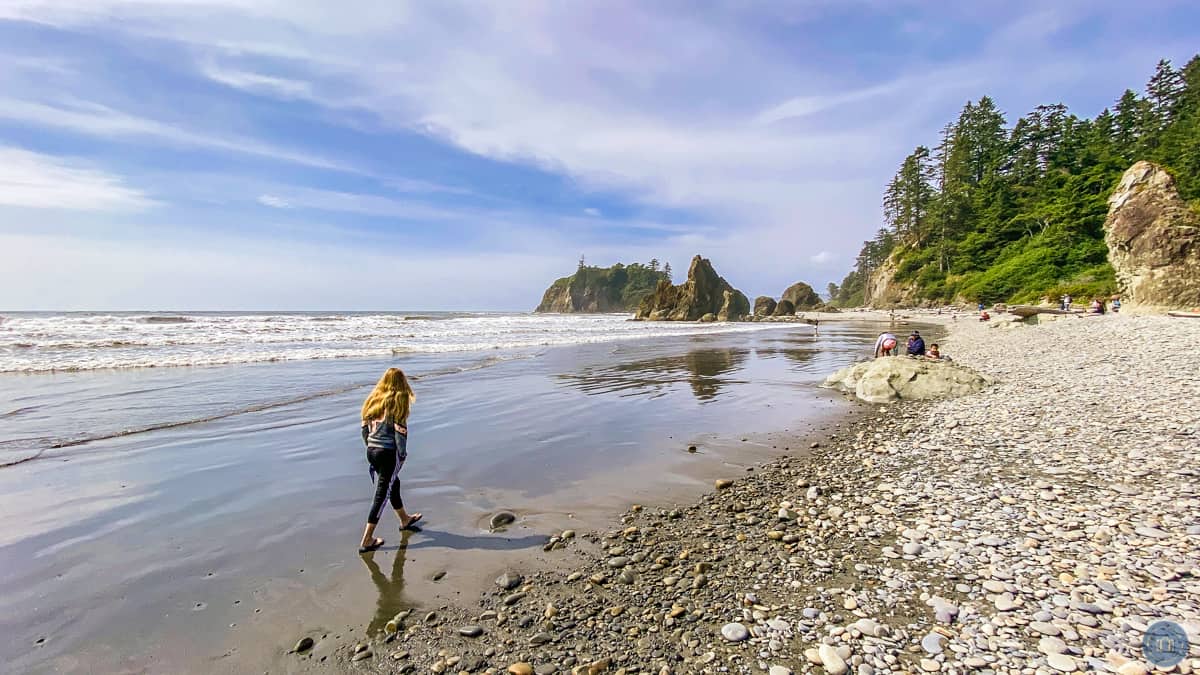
(619, 288)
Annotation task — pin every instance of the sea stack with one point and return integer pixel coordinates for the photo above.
(704, 292)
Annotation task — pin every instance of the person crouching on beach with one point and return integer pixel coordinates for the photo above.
(385, 433)
(886, 345)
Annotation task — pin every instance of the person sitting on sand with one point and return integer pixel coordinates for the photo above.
(385, 433)
(916, 344)
(984, 316)
(1097, 306)
(935, 353)
(886, 345)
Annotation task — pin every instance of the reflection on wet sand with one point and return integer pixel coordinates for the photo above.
(800, 350)
(706, 371)
(458, 542)
(391, 588)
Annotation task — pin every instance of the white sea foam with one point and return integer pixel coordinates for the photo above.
(44, 342)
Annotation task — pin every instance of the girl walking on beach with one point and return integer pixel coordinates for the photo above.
(385, 433)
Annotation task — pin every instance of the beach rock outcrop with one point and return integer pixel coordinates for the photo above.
(901, 377)
(734, 306)
(785, 308)
(1153, 241)
(704, 292)
(802, 296)
(764, 305)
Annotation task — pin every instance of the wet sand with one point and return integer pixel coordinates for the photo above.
(211, 546)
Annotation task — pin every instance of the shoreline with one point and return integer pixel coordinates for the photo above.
(922, 536)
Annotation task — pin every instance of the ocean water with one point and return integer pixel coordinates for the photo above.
(197, 518)
(32, 342)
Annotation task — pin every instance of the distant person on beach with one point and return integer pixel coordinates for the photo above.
(1116, 306)
(1097, 306)
(886, 345)
(916, 344)
(984, 316)
(935, 353)
(1067, 301)
(385, 433)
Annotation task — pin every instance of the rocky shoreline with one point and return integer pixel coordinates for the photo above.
(1038, 526)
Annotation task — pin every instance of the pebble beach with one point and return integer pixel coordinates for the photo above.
(1039, 526)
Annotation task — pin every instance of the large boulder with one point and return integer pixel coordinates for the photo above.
(704, 292)
(892, 378)
(1153, 241)
(802, 296)
(734, 306)
(785, 308)
(764, 305)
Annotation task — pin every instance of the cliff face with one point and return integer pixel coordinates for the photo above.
(1153, 241)
(882, 289)
(619, 288)
(704, 292)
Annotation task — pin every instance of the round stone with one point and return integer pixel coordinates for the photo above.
(1051, 645)
(932, 643)
(1061, 662)
(502, 519)
(734, 632)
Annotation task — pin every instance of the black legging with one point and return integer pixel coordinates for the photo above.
(385, 465)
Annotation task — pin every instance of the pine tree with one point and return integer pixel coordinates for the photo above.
(582, 262)
(654, 264)
(667, 272)
(1163, 92)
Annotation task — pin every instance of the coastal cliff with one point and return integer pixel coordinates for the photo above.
(705, 296)
(619, 288)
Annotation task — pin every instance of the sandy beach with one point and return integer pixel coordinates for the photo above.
(1039, 526)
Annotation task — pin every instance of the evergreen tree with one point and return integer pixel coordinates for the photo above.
(582, 262)
(654, 264)
(1163, 92)
(667, 272)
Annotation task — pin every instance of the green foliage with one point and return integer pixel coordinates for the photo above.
(621, 285)
(995, 213)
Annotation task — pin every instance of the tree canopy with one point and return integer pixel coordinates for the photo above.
(996, 212)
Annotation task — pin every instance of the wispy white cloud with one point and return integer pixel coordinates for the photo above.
(821, 258)
(37, 181)
(94, 119)
(274, 202)
(256, 82)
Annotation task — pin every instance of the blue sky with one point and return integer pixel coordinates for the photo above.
(294, 154)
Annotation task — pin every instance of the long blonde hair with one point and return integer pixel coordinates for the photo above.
(390, 399)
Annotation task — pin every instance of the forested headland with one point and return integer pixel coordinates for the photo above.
(997, 213)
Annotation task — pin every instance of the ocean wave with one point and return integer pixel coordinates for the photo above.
(67, 343)
(166, 319)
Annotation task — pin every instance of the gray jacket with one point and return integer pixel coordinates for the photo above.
(380, 434)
